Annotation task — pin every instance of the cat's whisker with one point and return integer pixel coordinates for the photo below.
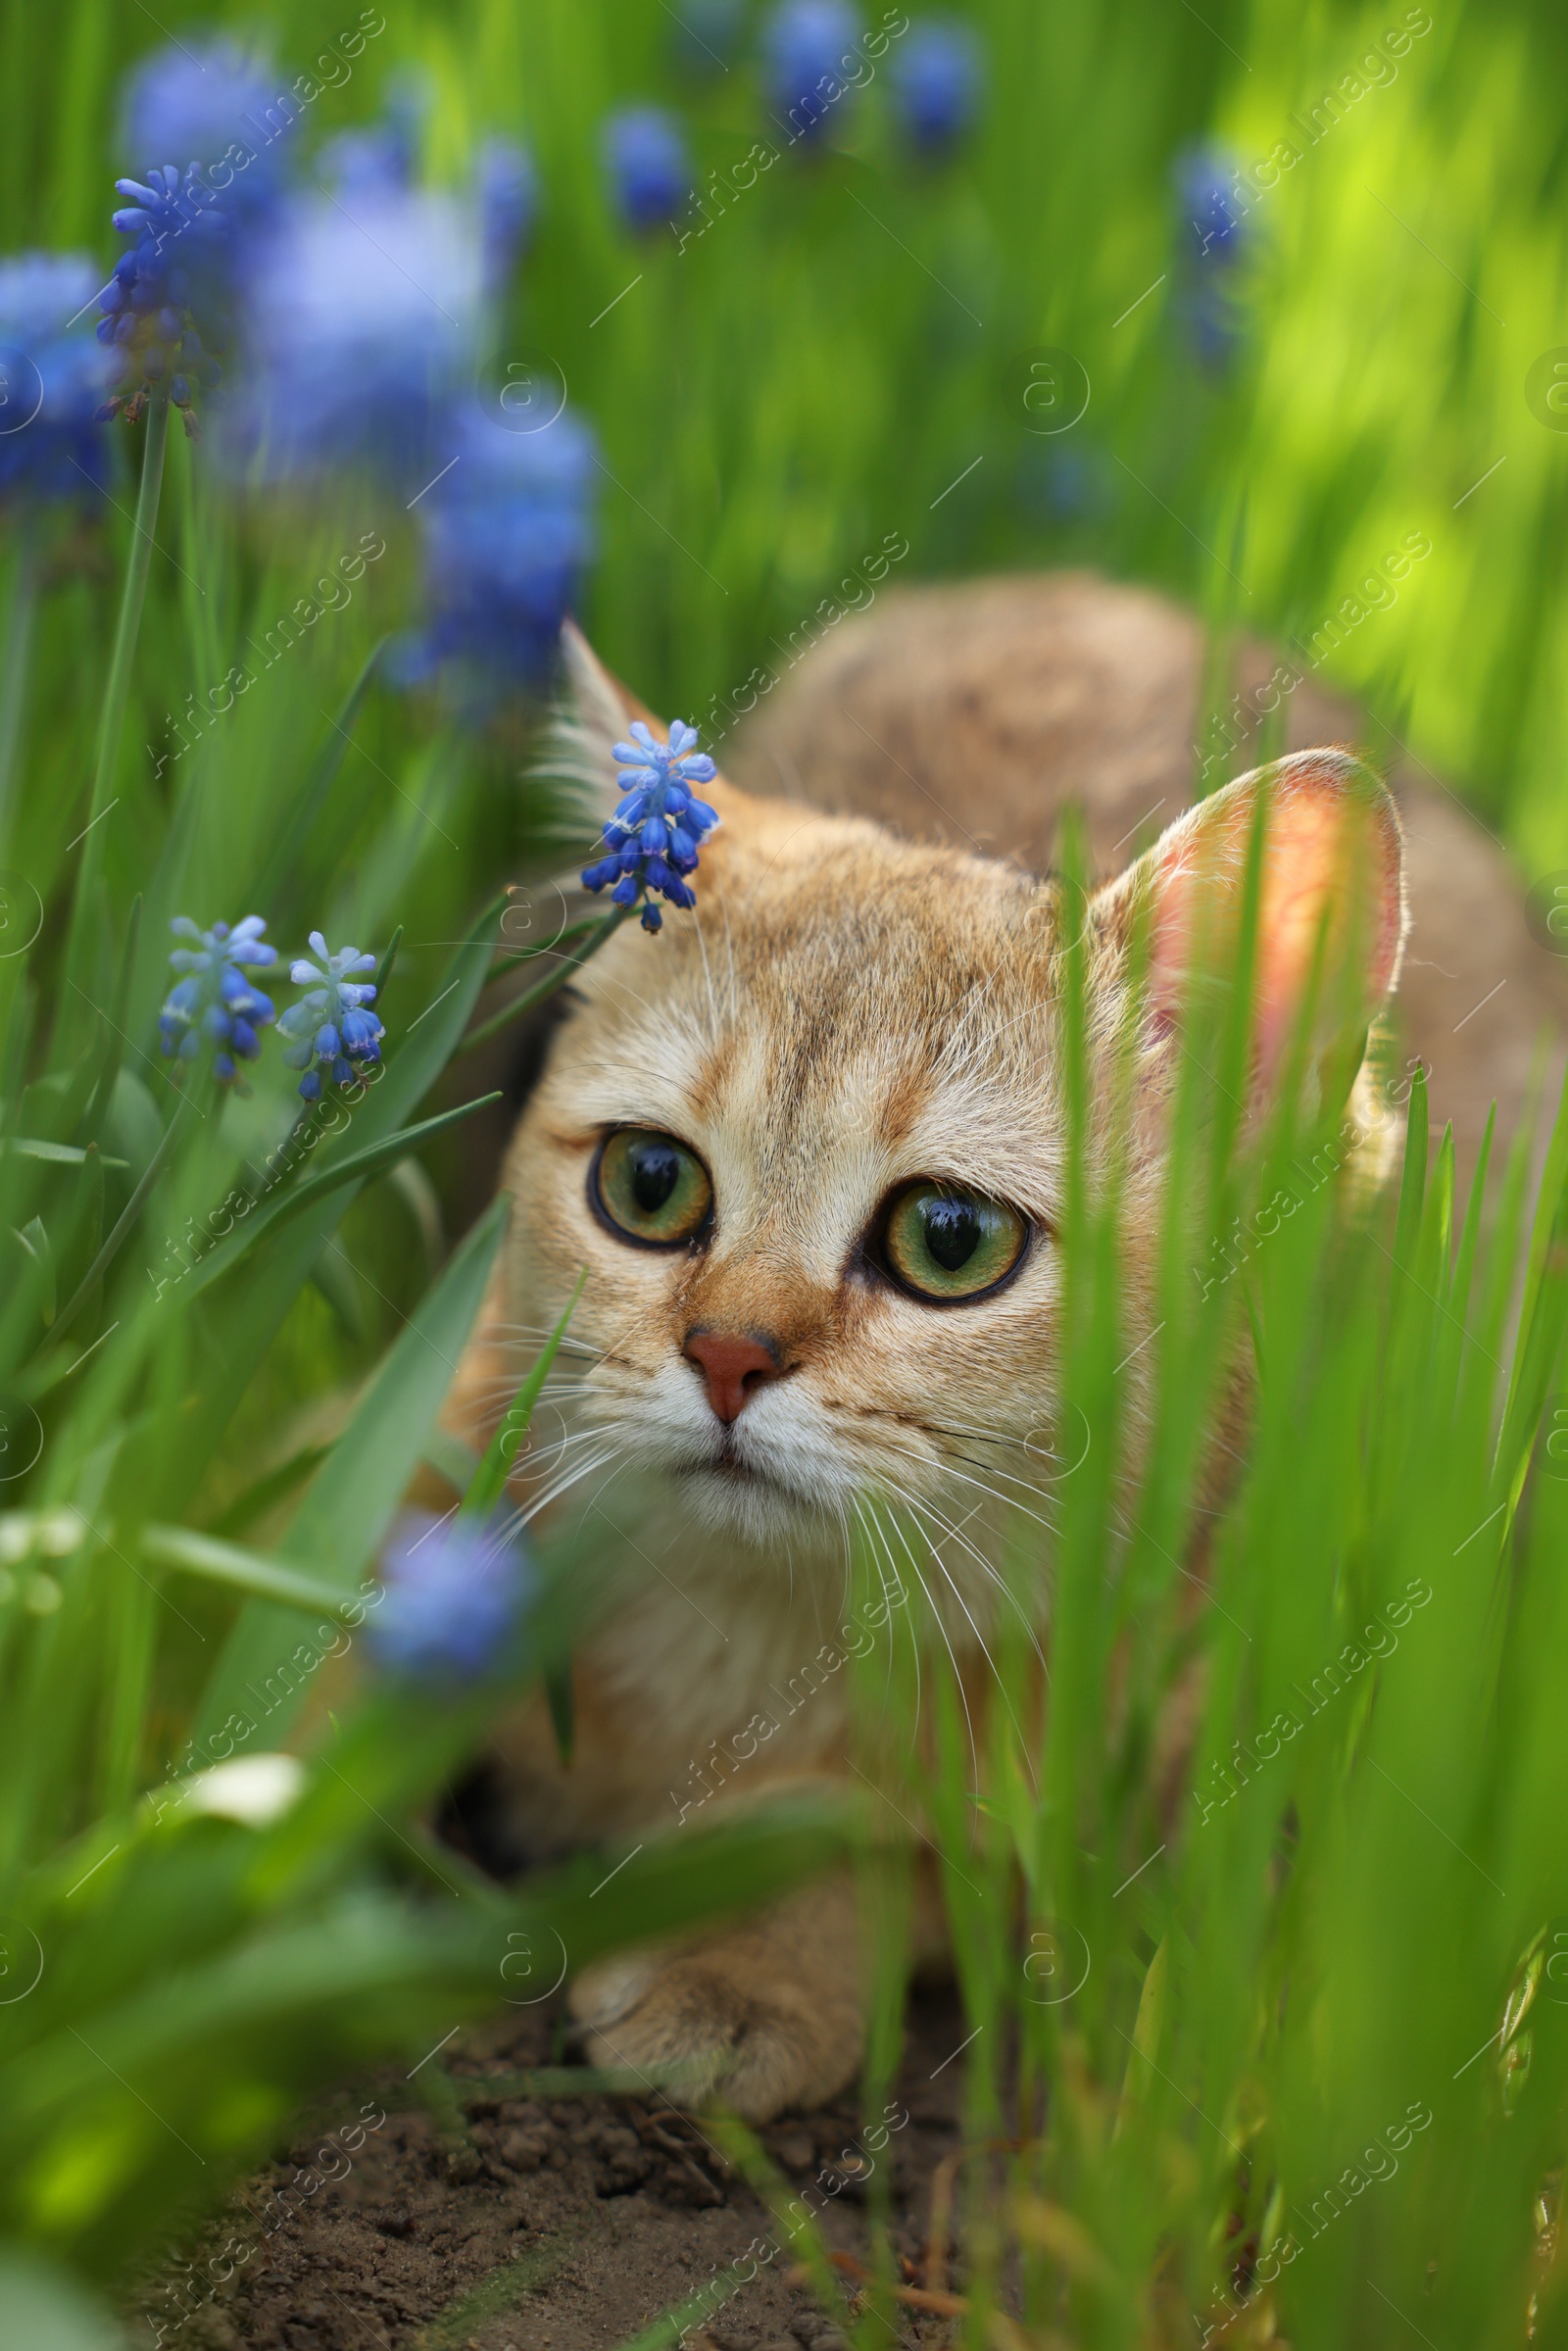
(914, 1643)
(729, 943)
(538, 1329)
(552, 1461)
(937, 1619)
(1008, 1501)
(708, 975)
(497, 1392)
(1002, 1686)
(1000, 1439)
(1040, 1493)
(933, 1428)
(584, 1469)
(955, 1534)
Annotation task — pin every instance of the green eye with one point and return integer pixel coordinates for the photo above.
(651, 1188)
(946, 1244)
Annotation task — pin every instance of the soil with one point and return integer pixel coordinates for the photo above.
(472, 2219)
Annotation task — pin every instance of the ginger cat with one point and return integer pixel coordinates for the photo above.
(808, 1143)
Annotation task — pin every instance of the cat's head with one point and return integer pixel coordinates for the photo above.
(810, 1140)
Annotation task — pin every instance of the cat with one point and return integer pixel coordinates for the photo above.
(808, 1143)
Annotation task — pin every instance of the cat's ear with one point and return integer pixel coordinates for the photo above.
(592, 718)
(1332, 872)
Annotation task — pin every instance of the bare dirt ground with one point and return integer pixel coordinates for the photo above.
(472, 2219)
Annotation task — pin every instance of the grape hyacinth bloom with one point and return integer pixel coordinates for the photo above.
(217, 1004)
(167, 297)
(1205, 190)
(363, 324)
(506, 531)
(453, 1589)
(329, 1030)
(805, 48)
(507, 189)
(55, 378)
(657, 832)
(1215, 213)
(937, 81)
(356, 164)
(381, 159)
(649, 167)
(219, 105)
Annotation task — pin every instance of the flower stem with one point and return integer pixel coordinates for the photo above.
(591, 936)
(116, 692)
(21, 603)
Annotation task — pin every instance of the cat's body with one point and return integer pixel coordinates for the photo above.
(847, 1021)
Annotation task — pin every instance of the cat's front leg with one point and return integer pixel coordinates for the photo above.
(762, 2014)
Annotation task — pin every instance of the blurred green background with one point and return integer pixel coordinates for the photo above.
(852, 334)
(850, 354)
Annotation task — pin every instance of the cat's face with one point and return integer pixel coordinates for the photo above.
(819, 1120)
(808, 1143)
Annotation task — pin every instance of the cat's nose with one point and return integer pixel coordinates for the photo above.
(733, 1369)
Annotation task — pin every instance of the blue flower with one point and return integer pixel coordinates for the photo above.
(363, 324)
(454, 1589)
(55, 377)
(356, 164)
(805, 48)
(168, 299)
(937, 82)
(381, 159)
(649, 167)
(1205, 192)
(506, 531)
(507, 188)
(219, 106)
(659, 829)
(1217, 239)
(217, 1004)
(329, 1030)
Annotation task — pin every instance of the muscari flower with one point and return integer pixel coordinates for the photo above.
(806, 46)
(1205, 191)
(454, 1589)
(658, 830)
(167, 297)
(507, 189)
(649, 168)
(1216, 240)
(363, 319)
(364, 163)
(216, 1003)
(506, 531)
(329, 1030)
(382, 158)
(220, 104)
(55, 377)
(936, 81)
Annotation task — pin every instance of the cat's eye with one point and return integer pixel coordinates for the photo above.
(946, 1244)
(649, 1188)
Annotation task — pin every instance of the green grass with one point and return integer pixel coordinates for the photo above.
(1333, 1924)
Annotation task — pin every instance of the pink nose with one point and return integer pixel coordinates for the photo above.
(733, 1369)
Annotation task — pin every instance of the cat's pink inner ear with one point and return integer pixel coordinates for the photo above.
(1333, 866)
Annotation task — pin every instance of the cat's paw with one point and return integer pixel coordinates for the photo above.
(764, 2017)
